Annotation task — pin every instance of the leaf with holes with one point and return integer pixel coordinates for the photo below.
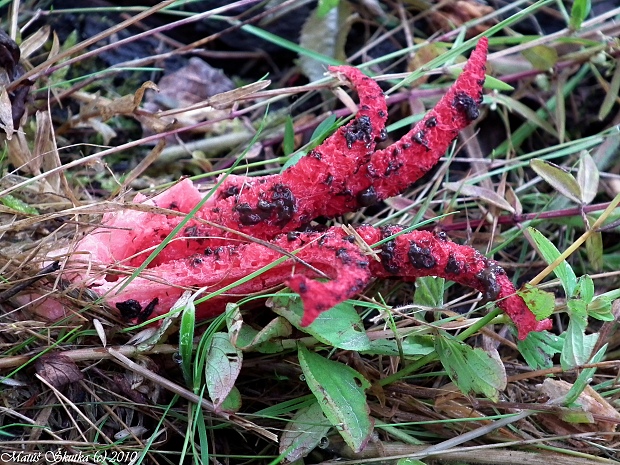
(340, 392)
(222, 368)
(304, 432)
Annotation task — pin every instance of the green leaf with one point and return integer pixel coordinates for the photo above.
(322, 131)
(585, 377)
(288, 143)
(266, 340)
(527, 113)
(612, 94)
(577, 345)
(325, 6)
(472, 370)
(340, 326)
(412, 346)
(579, 12)
(540, 302)
(340, 392)
(542, 57)
(586, 288)
(538, 349)
(594, 250)
(550, 253)
(304, 432)
(409, 461)
(186, 338)
(560, 179)
(324, 34)
(601, 309)
(222, 368)
(429, 292)
(587, 177)
(18, 205)
(577, 309)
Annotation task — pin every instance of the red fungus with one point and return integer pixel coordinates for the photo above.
(341, 175)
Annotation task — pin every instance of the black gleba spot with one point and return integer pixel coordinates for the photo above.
(466, 105)
(367, 197)
(421, 257)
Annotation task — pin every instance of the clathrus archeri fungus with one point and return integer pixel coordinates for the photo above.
(341, 175)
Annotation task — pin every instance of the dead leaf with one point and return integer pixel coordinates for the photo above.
(58, 370)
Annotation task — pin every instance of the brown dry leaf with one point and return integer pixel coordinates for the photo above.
(603, 415)
(454, 14)
(6, 113)
(35, 41)
(422, 56)
(58, 370)
(46, 152)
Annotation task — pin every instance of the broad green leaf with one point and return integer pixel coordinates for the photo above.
(538, 349)
(482, 193)
(222, 368)
(288, 142)
(340, 326)
(304, 432)
(579, 12)
(340, 392)
(409, 461)
(542, 57)
(587, 177)
(472, 370)
(548, 251)
(577, 345)
(541, 303)
(324, 34)
(577, 309)
(527, 113)
(18, 205)
(266, 340)
(186, 339)
(429, 292)
(412, 346)
(576, 416)
(558, 178)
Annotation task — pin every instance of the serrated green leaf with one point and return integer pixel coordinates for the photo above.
(579, 12)
(577, 309)
(340, 326)
(550, 253)
(541, 303)
(538, 349)
(304, 432)
(577, 345)
(222, 368)
(288, 142)
(587, 177)
(558, 178)
(429, 292)
(472, 370)
(340, 392)
(542, 57)
(18, 205)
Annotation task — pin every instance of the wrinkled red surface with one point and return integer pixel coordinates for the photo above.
(342, 175)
